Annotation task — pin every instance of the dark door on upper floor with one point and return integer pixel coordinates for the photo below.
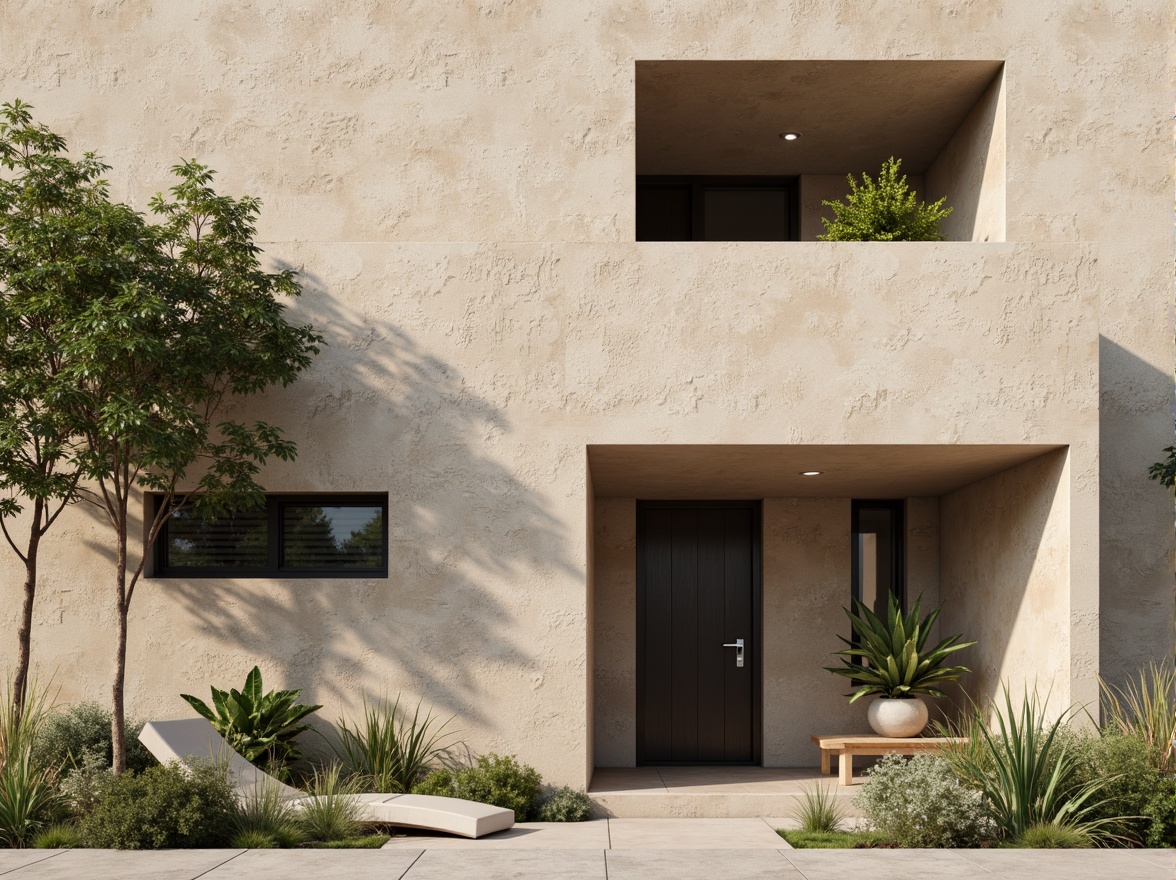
(698, 598)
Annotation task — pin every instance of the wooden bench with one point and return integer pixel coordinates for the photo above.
(845, 746)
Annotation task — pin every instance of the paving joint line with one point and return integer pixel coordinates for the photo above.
(608, 831)
(795, 867)
(51, 855)
(411, 865)
(605, 854)
(225, 862)
(960, 853)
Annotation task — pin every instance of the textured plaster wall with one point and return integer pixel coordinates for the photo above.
(457, 189)
(1006, 583)
(970, 172)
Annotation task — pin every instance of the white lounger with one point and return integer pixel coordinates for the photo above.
(195, 737)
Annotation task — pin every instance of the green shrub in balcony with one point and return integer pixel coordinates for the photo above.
(883, 210)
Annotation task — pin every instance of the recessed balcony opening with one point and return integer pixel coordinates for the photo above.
(749, 150)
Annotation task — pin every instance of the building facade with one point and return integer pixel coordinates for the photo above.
(557, 414)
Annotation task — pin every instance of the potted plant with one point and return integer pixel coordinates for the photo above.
(890, 659)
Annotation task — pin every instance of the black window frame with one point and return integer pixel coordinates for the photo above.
(274, 504)
(699, 183)
(897, 507)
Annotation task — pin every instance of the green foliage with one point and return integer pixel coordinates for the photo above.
(1028, 775)
(920, 803)
(165, 807)
(1165, 471)
(263, 819)
(833, 839)
(1052, 836)
(493, 779)
(390, 751)
(332, 812)
(1146, 708)
(69, 734)
(367, 841)
(29, 801)
(58, 837)
(891, 658)
(261, 727)
(883, 210)
(819, 811)
(1139, 800)
(86, 783)
(565, 804)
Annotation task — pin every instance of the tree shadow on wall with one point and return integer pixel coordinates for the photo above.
(375, 414)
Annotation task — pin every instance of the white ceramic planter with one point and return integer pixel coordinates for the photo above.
(891, 717)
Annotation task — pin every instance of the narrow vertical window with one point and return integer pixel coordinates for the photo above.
(879, 567)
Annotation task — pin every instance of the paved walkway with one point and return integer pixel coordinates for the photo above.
(616, 849)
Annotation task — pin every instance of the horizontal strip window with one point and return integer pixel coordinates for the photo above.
(290, 536)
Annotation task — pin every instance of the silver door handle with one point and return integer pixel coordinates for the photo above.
(738, 646)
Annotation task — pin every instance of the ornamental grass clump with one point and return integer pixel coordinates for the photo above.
(819, 811)
(920, 803)
(1146, 709)
(332, 812)
(389, 751)
(883, 210)
(891, 656)
(29, 799)
(264, 819)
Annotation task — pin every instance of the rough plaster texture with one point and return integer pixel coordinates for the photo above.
(1006, 549)
(457, 188)
(970, 172)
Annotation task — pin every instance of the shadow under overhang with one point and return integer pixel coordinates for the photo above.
(730, 471)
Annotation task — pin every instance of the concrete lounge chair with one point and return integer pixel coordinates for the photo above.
(195, 737)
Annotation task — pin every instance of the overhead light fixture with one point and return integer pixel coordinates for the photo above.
(811, 473)
(790, 135)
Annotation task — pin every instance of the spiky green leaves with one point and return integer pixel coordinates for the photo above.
(260, 726)
(883, 210)
(891, 658)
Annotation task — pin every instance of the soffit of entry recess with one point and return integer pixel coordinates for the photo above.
(725, 117)
(753, 471)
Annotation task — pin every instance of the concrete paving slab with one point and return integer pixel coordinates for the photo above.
(110, 864)
(11, 859)
(692, 834)
(1068, 864)
(1165, 858)
(524, 835)
(882, 864)
(284, 864)
(519, 864)
(711, 864)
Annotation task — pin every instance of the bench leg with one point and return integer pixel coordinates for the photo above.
(845, 763)
(824, 762)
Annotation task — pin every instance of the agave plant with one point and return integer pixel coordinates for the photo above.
(891, 658)
(260, 726)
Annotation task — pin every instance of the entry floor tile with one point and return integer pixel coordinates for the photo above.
(607, 779)
(524, 835)
(679, 864)
(692, 834)
(520, 864)
(107, 864)
(712, 780)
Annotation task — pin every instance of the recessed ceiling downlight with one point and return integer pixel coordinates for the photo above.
(790, 135)
(811, 473)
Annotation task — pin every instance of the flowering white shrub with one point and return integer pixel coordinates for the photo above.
(921, 803)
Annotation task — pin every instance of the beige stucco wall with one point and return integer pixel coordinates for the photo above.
(1007, 584)
(458, 191)
(970, 172)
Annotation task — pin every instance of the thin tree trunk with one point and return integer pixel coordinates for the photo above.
(24, 634)
(117, 714)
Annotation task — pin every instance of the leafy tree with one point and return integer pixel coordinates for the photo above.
(1165, 471)
(60, 239)
(155, 361)
(883, 210)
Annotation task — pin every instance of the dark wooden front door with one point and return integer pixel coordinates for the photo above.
(698, 575)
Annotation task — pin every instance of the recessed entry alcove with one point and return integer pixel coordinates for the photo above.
(713, 162)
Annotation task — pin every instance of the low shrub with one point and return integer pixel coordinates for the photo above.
(58, 837)
(332, 812)
(565, 805)
(819, 811)
(69, 734)
(264, 819)
(1138, 800)
(85, 783)
(494, 779)
(1052, 836)
(921, 803)
(167, 806)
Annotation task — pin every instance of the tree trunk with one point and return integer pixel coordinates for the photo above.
(117, 709)
(24, 634)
